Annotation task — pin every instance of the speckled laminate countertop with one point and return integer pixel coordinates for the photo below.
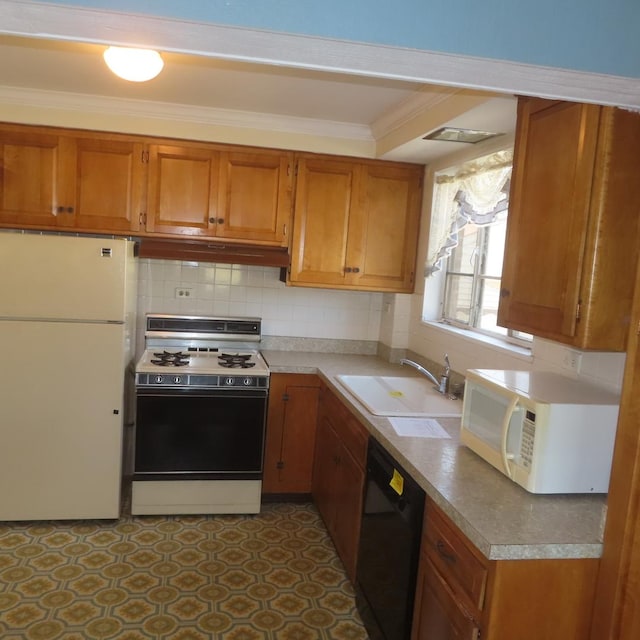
(503, 520)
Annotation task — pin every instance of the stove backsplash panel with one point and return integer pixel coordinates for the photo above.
(192, 288)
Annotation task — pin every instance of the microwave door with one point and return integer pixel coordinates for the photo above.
(491, 425)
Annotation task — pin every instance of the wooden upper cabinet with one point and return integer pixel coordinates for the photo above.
(105, 188)
(324, 195)
(571, 249)
(51, 179)
(384, 233)
(29, 177)
(203, 190)
(255, 195)
(355, 224)
(182, 197)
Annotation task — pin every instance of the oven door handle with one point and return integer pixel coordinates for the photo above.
(190, 392)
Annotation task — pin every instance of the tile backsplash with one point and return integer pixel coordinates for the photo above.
(244, 290)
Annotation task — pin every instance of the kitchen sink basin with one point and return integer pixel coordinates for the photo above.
(401, 396)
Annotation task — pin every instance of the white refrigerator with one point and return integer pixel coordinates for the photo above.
(67, 327)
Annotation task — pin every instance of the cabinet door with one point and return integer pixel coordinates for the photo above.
(255, 196)
(349, 491)
(324, 471)
(437, 615)
(383, 230)
(324, 193)
(548, 216)
(183, 190)
(291, 433)
(30, 165)
(103, 185)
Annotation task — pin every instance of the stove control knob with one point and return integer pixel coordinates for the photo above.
(177, 379)
(228, 381)
(158, 379)
(247, 382)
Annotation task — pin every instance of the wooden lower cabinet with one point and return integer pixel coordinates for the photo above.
(339, 476)
(462, 595)
(291, 433)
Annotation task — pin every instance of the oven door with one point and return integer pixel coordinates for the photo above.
(199, 434)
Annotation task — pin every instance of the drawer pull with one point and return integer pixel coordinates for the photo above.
(444, 552)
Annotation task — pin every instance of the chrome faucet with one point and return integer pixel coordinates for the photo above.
(442, 385)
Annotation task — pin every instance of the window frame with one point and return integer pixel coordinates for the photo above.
(511, 337)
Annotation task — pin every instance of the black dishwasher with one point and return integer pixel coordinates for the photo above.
(389, 547)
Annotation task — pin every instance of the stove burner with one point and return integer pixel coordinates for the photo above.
(236, 361)
(168, 359)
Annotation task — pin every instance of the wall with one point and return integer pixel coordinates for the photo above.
(587, 35)
(230, 290)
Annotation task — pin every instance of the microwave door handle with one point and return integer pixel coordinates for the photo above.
(506, 456)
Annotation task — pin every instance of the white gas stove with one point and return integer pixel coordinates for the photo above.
(202, 390)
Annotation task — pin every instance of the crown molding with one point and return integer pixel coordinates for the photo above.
(409, 109)
(109, 107)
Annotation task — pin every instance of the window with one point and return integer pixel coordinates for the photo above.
(469, 219)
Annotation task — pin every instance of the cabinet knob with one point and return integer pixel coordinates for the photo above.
(505, 293)
(212, 220)
(348, 269)
(220, 220)
(356, 269)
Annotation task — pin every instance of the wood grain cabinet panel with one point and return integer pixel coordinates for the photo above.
(339, 476)
(571, 245)
(29, 177)
(461, 594)
(324, 194)
(106, 185)
(291, 433)
(58, 179)
(355, 224)
(183, 190)
(255, 196)
(215, 191)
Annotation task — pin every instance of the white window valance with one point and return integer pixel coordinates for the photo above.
(477, 192)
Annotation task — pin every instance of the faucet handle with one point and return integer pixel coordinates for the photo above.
(446, 364)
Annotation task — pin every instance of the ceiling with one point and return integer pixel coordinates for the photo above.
(393, 114)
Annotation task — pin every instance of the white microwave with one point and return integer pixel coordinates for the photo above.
(547, 432)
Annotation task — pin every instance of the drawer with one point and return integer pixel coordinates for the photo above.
(459, 564)
(355, 438)
(352, 434)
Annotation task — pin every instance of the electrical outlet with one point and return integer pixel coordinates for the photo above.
(183, 292)
(572, 360)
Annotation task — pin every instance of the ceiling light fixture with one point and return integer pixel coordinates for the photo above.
(451, 134)
(135, 65)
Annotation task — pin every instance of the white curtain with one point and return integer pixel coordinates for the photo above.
(473, 192)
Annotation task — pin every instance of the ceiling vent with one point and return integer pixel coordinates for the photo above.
(469, 136)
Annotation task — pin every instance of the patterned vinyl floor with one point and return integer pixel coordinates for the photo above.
(272, 576)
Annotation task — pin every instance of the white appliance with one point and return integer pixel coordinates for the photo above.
(67, 311)
(547, 432)
(202, 390)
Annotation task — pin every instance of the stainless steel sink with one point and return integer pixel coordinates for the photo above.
(400, 396)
